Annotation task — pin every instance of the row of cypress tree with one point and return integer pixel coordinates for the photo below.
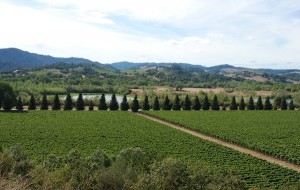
(79, 103)
(187, 104)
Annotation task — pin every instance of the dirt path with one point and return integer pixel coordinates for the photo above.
(227, 144)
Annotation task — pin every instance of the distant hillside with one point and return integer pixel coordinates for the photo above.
(226, 68)
(12, 58)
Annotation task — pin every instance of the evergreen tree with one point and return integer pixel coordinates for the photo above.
(268, 105)
(135, 104)
(44, 103)
(176, 105)
(80, 103)
(19, 105)
(102, 103)
(68, 102)
(7, 96)
(146, 105)
(233, 105)
(166, 104)
(283, 104)
(114, 105)
(124, 104)
(259, 104)
(56, 103)
(291, 105)
(91, 106)
(32, 104)
(206, 104)
(196, 103)
(155, 105)
(242, 104)
(251, 104)
(187, 103)
(277, 103)
(215, 103)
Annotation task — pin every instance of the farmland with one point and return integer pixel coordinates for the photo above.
(272, 132)
(41, 133)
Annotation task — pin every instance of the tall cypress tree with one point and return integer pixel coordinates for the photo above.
(91, 106)
(291, 105)
(166, 104)
(32, 104)
(277, 103)
(187, 103)
(135, 104)
(283, 104)
(155, 105)
(215, 103)
(196, 103)
(68, 102)
(19, 105)
(251, 104)
(242, 104)
(80, 103)
(114, 105)
(44, 103)
(176, 105)
(124, 104)
(233, 105)
(56, 103)
(259, 104)
(268, 105)
(146, 105)
(206, 104)
(102, 103)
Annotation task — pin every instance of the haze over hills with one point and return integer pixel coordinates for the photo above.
(13, 58)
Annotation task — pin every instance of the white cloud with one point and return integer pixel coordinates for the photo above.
(207, 32)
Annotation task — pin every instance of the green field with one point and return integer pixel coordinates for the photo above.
(272, 132)
(45, 132)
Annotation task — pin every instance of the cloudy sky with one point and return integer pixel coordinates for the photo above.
(250, 33)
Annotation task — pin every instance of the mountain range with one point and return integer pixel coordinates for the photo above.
(13, 58)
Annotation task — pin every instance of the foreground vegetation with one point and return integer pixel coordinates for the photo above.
(274, 133)
(43, 133)
(131, 169)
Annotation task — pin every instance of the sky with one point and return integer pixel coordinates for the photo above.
(247, 33)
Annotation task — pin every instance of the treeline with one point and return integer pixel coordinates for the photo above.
(131, 169)
(135, 105)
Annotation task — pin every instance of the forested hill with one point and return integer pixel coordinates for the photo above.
(13, 58)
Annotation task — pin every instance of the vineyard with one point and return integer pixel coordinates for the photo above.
(44, 132)
(272, 132)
